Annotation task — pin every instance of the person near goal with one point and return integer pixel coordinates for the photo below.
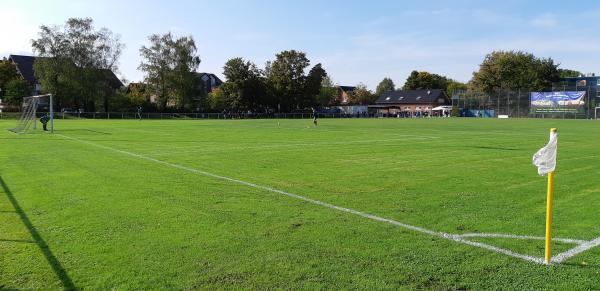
(314, 113)
(44, 120)
(139, 113)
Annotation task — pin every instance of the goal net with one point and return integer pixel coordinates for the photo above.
(35, 107)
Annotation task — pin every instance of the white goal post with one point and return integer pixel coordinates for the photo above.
(596, 112)
(34, 106)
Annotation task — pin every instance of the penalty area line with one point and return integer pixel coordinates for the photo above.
(448, 236)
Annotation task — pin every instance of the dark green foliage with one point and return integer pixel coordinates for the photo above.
(512, 70)
(566, 73)
(425, 80)
(73, 64)
(385, 85)
(15, 90)
(286, 79)
(244, 88)
(170, 67)
(8, 72)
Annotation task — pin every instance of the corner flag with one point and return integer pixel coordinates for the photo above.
(545, 160)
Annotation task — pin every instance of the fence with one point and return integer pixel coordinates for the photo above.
(182, 116)
(516, 103)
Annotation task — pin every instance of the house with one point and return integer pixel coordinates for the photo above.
(343, 92)
(24, 66)
(208, 82)
(410, 103)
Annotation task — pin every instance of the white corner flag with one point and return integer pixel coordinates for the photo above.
(545, 158)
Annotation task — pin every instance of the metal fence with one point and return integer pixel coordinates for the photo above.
(516, 103)
(183, 116)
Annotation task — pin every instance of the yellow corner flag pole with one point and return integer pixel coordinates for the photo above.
(549, 202)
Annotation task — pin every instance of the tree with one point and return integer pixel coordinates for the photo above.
(453, 86)
(169, 65)
(511, 70)
(8, 72)
(425, 80)
(361, 95)
(16, 89)
(78, 54)
(328, 92)
(216, 100)
(244, 86)
(285, 77)
(385, 85)
(314, 86)
(566, 73)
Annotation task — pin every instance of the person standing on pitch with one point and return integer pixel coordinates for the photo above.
(44, 120)
(314, 112)
(139, 113)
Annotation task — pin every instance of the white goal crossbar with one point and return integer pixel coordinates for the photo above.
(32, 106)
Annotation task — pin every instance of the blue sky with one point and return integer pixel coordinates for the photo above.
(356, 41)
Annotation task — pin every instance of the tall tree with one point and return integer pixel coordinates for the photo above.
(79, 53)
(285, 77)
(169, 65)
(313, 86)
(244, 87)
(8, 72)
(425, 80)
(512, 70)
(328, 92)
(385, 85)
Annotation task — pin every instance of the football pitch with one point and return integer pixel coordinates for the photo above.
(281, 204)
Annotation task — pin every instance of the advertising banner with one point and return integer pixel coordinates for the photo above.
(558, 102)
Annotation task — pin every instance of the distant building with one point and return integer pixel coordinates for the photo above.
(24, 66)
(343, 92)
(410, 102)
(588, 82)
(208, 82)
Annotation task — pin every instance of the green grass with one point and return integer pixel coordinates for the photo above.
(76, 215)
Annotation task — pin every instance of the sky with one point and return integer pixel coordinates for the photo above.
(355, 41)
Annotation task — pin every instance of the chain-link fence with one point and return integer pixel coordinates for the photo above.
(517, 103)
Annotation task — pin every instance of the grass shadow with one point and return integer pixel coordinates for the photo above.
(41, 243)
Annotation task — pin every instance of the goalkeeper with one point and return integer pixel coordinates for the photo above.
(44, 120)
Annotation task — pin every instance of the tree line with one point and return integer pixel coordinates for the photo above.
(76, 61)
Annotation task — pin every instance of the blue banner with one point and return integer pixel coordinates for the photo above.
(558, 102)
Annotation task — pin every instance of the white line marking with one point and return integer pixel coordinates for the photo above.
(576, 250)
(444, 235)
(515, 236)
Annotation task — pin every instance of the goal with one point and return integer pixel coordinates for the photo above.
(35, 107)
(596, 112)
